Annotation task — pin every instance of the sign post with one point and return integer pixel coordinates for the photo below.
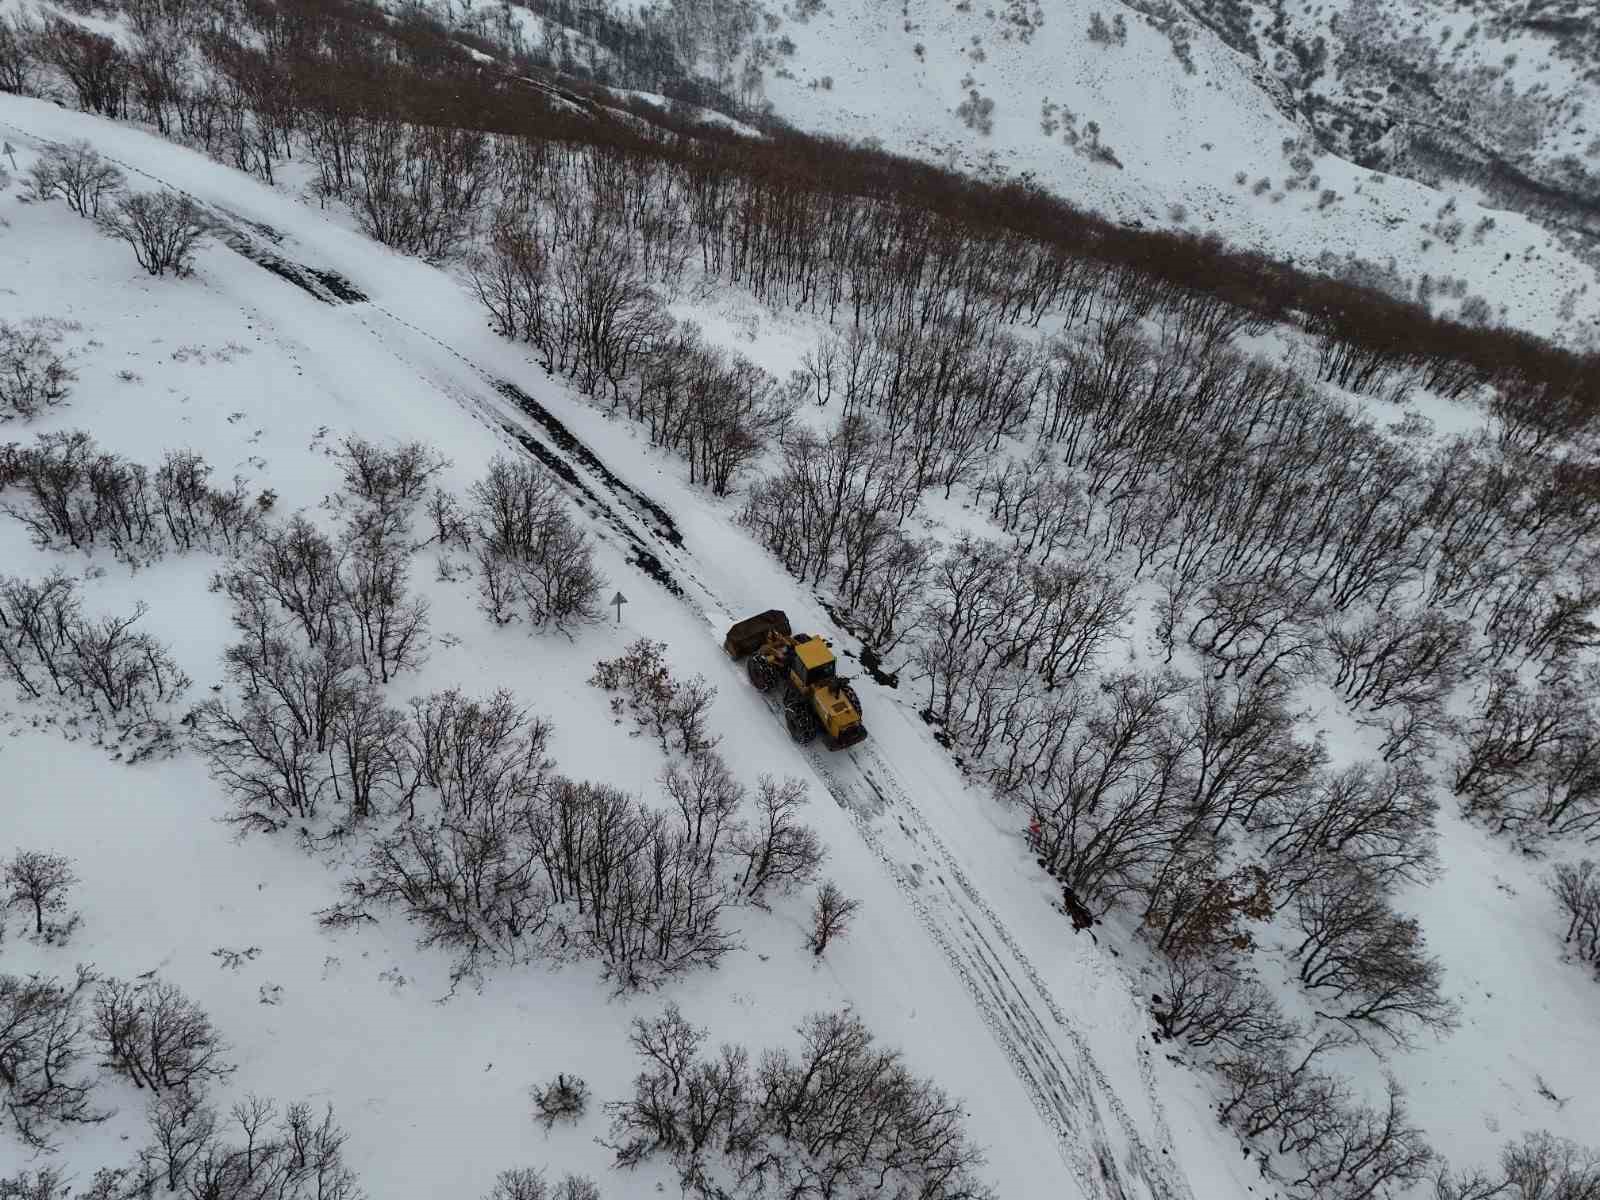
(619, 600)
(11, 154)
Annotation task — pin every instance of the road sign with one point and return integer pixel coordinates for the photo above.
(619, 600)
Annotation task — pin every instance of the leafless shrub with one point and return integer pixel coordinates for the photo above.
(157, 1037)
(33, 374)
(840, 1116)
(396, 476)
(164, 229)
(673, 710)
(532, 556)
(1576, 887)
(47, 647)
(78, 174)
(564, 1098)
(977, 112)
(478, 755)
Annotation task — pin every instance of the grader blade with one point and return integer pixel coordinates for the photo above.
(745, 637)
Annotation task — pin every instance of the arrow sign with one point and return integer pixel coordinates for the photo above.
(619, 600)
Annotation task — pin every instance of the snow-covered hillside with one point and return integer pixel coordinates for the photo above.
(296, 332)
(1191, 149)
(958, 956)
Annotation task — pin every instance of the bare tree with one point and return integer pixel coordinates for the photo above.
(530, 551)
(707, 798)
(839, 1117)
(1577, 888)
(830, 916)
(47, 1184)
(41, 1043)
(1220, 1004)
(370, 771)
(164, 229)
(776, 849)
(398, 475)
(183, 1127)
(519, 1183)
(158, 1037)
(1361, 952)
(478, 755)
(1545, 1167)
(576, 1187)
(1381, 819)
(39, 881)
(1366, 1152)
(391, 629)
(78, 174)
(670, 1042)
(20, 53)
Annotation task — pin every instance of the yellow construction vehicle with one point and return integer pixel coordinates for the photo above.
(816, 699)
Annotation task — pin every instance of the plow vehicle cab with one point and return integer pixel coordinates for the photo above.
(815, 698)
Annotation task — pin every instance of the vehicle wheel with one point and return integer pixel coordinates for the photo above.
(761, 674)
(802, 722)
(855, 700)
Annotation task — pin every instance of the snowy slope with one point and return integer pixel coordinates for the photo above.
(1040, 1035)
(1181, 138)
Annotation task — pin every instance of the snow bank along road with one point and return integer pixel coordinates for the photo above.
(1100, 1143)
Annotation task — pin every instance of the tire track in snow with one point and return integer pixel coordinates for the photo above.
(1157, 1169)
(1066, 1087)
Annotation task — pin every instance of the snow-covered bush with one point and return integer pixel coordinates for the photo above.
(673, 710)
(33, 374)
(564, 1098)
(78, 174)
(158, 1037)
(388, 478)
(525, 1183)
(50, 650)
(977, 112)
(840, 1116)
(41, 1046)
(533, 558)
(164, 229)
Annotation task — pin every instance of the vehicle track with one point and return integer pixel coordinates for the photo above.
(1066, 1085)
